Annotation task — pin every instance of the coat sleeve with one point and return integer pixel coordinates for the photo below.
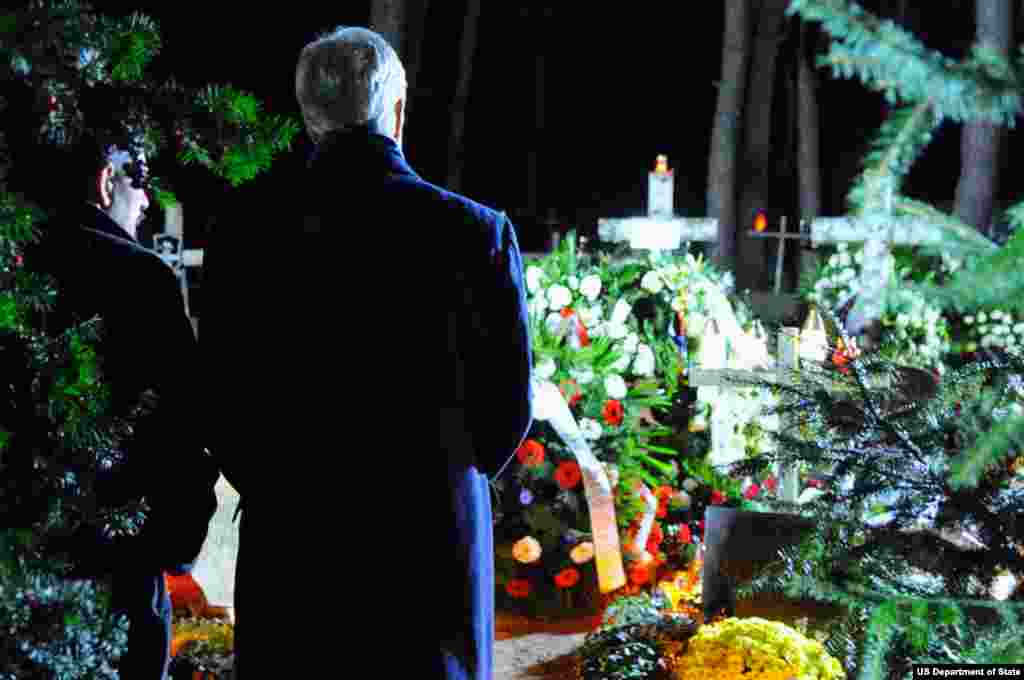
(501, 394)
(215, 338)
(166, 459)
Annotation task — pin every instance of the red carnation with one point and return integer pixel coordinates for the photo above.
(518, 588)
(531, 453)
(567, 578)
(717, 497)
(751, 492)
(662, 511)
(639, 574)
(684, 535)
(815, 483)
(568, 474)
(613, 413)
(771, 484)
(566, 312)
(700, 524)
(19, 260)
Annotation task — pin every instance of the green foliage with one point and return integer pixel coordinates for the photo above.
(889, 59)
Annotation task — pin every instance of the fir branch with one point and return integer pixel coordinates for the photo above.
(887, 58)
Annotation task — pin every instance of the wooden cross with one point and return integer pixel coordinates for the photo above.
(169, 245)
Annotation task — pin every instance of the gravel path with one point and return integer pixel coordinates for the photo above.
(540, 656)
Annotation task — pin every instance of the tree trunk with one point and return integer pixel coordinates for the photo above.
(980, 141)
(725, 136)
(387, 17)
(415, 28)
(759, 152)
(808, 139)
(467, 50)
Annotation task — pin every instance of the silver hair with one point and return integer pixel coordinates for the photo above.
(349, 76)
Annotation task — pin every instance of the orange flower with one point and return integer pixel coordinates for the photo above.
(656, 534)
(518, 588)
(568, 474)
(661, 511)
(531, 453)
(566, 312)
(613, 412)
(639, 574)
(567, 578)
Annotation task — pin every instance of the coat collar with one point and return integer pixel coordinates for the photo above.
(92, 217)
(359, 147)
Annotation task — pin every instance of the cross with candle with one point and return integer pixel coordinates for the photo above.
(660, 229)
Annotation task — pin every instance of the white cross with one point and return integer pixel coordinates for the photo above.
(878, 233)
(169, 246)
(786, 364)
(660, 229)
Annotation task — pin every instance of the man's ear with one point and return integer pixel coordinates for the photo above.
(104, 186)
(399, 111)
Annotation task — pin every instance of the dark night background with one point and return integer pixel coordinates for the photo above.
(624, 82)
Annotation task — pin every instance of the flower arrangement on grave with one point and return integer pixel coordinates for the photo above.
(914, 332)
(755, 649)
(202, 645)
(608, 337)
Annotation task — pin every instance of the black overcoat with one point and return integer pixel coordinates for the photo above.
(147, 344)
(332, 328)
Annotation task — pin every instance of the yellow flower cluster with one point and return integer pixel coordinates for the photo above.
(755, 649)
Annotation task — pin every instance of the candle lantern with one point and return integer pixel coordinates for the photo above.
(813, 338)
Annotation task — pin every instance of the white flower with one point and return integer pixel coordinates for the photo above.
(844, 260)
(848, 274)
(574, 283)
(556, 324)
(902, 319)
(538, 305)
(651, 282)
(617, 331)
(996, 314)
(621, 312)
(833, 261)
(598, 330)
(615, 386)
(982, 318)
(534, 276)
(644, 362)
(590, 287)
(559, 297)
(590, 429)
(622, 363)
(545, 369)
(631, 343)
(582, 377)
(1018, 328)
(691, 484)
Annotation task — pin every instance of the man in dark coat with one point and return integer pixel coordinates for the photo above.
(90, 249)
(383, 295)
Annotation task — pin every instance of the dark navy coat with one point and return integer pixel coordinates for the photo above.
(358, 300)
(148, 344)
